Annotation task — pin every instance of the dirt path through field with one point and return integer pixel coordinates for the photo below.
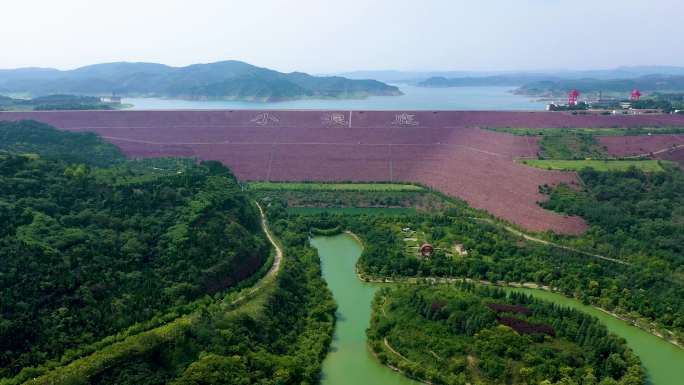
(658, 152)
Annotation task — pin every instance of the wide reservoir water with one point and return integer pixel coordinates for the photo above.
(350, 361)
(414, 98)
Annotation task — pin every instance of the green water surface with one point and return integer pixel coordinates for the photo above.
(350, 361)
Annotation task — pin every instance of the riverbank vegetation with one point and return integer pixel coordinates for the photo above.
(468, 246)
(640, 288)
(480, 335)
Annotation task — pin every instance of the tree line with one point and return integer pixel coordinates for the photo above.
(451, 335)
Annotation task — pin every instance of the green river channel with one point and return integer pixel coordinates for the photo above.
(351, 362)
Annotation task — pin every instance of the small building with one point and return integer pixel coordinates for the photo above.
(460, 249)
(426, 250)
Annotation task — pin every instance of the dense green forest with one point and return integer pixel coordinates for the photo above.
(278, 334)
(89, 251)
(480, 335)
(144, 272)
(422, 200)
(280, 337)
(634, 215)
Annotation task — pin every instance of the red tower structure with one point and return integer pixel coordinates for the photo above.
(635, 95)
(572, 97)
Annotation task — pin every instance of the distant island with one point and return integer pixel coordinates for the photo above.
(481, 81)
(60, 103)
(225, 80)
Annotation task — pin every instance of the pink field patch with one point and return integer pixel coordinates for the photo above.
(445, 149)
(640, 145)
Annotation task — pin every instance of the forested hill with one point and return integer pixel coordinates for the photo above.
(229, 80)
(88, 251)
(35, 138)
(484, 81)
(651, 83)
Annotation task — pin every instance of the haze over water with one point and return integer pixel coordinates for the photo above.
(414, 98)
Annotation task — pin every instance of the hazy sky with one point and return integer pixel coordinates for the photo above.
(331, 36)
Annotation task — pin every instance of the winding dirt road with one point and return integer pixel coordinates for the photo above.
(273, 271)
(277, 261)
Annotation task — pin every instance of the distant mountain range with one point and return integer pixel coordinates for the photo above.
(622, 80)
(649, 83)
(226, 80)
(515, 78)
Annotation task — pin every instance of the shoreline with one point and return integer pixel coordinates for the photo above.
(520, 285)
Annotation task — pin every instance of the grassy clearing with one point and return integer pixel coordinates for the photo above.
(303, 186)
(570, 146)
(598, 165)
(608, 131)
